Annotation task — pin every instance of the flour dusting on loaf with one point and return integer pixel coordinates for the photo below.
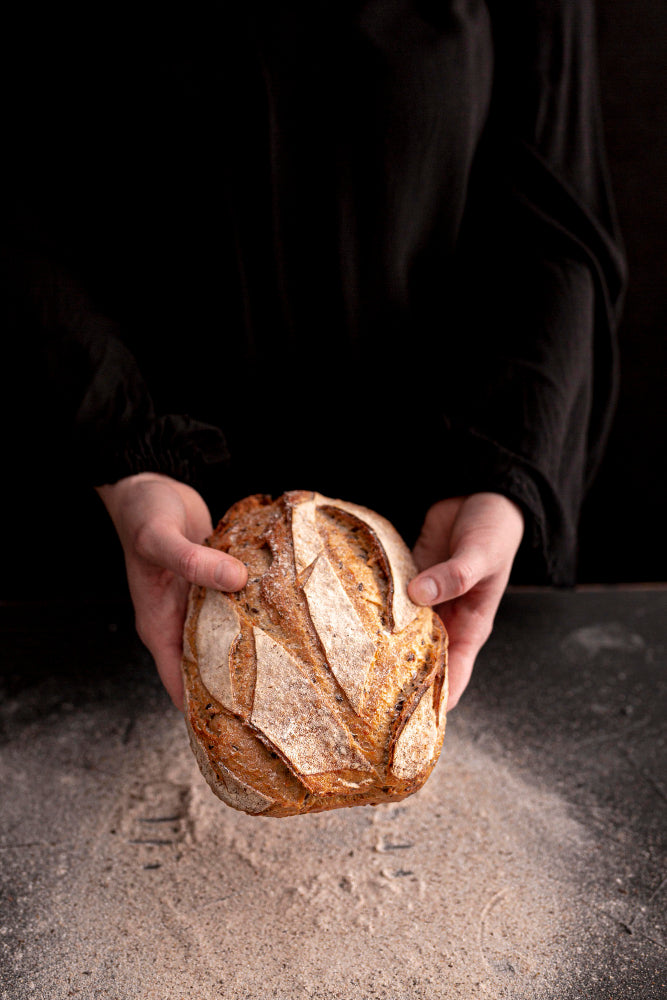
(320, 684)
(310, 737)
(348, 647)
(218, 627)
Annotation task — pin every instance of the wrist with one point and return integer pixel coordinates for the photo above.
(505, 512)
(125, 485)
(122, 497)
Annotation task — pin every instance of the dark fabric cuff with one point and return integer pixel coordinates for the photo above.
(174, 445)
(548, 552)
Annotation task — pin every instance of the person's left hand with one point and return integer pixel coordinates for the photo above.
(465, 553)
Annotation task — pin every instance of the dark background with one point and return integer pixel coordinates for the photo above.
(61, 542)
(623, 536)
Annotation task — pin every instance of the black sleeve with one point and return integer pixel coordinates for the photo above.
(77, 389)
(541, 279)
(82, 384)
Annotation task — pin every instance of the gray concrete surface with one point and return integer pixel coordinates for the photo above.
(531, 864)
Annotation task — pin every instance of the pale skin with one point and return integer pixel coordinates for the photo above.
(465, 551)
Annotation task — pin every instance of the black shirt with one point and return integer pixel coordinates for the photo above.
(365, 248)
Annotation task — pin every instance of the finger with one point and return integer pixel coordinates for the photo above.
(166, 546)
(467, 634)
(167, 652)
(469, 623)
(159, 620)
(459, 670)
(168, 662)
(450, 579)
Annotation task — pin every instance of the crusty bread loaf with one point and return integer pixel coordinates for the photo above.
(320, 684)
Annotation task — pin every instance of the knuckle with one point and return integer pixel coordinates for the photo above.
(190, 564)
(144, 539)
(487, 626)
(144, 631)
(481, 628)
(484, 633)
(462, 576)
(152, 539)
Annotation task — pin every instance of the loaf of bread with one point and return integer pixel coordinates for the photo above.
(320, 684)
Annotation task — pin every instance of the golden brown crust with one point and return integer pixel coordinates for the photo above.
(319, 684)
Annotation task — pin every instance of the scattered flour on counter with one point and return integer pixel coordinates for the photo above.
(158, 890)
(594, 639)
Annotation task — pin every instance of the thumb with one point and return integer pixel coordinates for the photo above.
(449, 579)
(166, 546)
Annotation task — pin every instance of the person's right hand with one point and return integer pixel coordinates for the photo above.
(161, 524)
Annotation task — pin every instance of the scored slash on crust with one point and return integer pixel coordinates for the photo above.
(218, 631)
(349, 649)
(312, 738)
(398, 561)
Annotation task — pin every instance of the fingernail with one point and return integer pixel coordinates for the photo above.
(228, 576)
(424, 590)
